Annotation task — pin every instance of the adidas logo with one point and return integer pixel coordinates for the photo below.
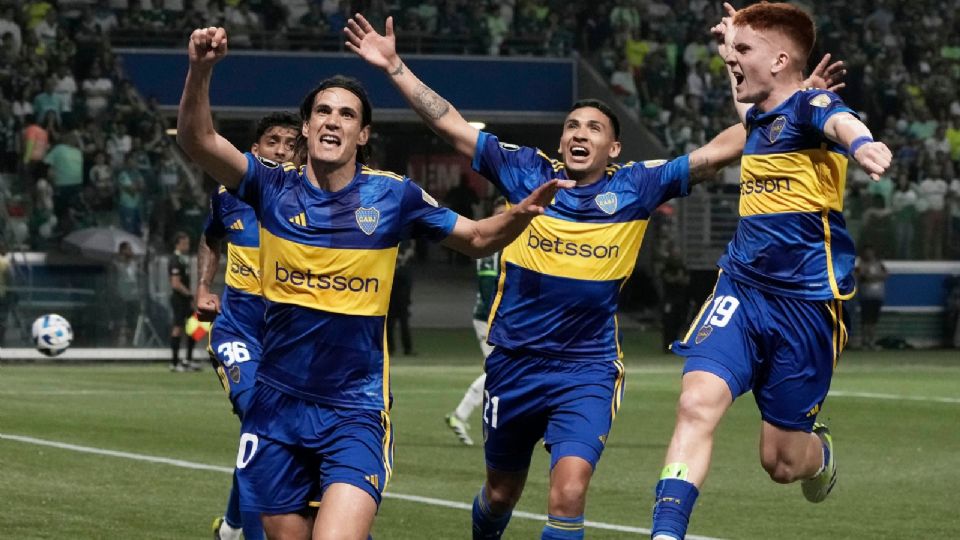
(373, 479)
(237, 225)
(299, 219)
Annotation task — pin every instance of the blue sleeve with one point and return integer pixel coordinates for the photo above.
(820, 105)
(659, 181)
(422, 217)
(213, 228)
(261, 181)
(515, 170)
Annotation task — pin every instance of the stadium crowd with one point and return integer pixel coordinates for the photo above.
(81, 147)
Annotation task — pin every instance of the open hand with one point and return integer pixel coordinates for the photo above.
(378, 50)
(827, 76)
(537, 202)
(722, 31)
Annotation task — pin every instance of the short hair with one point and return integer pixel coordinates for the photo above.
(602, 107)
(354, 87)
(796, 24)
(277, 119)
(178, 236)
(339, 81)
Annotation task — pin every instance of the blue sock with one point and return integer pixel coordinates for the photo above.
(562, 528)
(233, 516)
(671, 511)
(486, 525)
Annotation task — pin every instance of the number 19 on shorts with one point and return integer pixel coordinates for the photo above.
(491, 405)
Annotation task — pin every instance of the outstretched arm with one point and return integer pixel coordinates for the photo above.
(195, 132)
(488, 236)
(381, 51)
(845, 129)
(722, 150)
(208, 262)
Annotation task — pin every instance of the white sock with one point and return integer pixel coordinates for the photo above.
(472, 399)
(229, 533)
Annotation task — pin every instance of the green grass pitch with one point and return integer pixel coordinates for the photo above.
(895, 418)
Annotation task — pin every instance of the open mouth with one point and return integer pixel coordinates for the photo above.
(579, 152)
(330, 140)
(738, 77)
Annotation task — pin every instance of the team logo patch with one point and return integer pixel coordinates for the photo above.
(651, 163)
(704, 333)
(268, 163)
(368, 219)
(235, 373)
(820, 100)
(607, 202)
(776, 128)
(428, 199)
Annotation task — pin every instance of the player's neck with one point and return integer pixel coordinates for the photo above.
(777, 96)
(330, 177)
(585, 178)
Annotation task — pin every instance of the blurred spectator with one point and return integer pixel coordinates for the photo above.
(9, 139)
(624, 86)
(46, 30)
(675, 281)
(43, 220)
(932, 193)
(101, 178)
(119, 144)
(130, 197)
(48, 101)
(126, 280)
(400, 294)
(8, 25)
(65, 169)
(97, 90)
(877, 223)
(871, 277)
(497, 29)
(6, 297)
(65, 88)
(242, 24)
(36, 142)
(904, 206)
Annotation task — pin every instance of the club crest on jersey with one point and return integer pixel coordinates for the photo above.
(368, 219)
(776, 128)
(820, 100)
(607, 202)
(704, 333)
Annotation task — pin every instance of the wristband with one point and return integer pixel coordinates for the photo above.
(858, 142)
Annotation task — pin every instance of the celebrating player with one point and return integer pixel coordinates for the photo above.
(318, 421)
(774, 323)
(556, 370)
(238, 327)
(488, 274)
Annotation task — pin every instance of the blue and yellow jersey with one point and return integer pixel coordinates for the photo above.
(328, 260)
(242, 305)
(792, 238)
(560, 280)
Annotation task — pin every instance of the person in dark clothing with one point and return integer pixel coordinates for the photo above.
(400, 299)
(676, 297)
(181, 300)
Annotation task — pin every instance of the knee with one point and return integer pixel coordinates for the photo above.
(503, 496)
(568, 498)
(694, 407)
(781, 469)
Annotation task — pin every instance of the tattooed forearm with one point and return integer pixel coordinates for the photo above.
(397, 72)
(429, 104)
(701, 168)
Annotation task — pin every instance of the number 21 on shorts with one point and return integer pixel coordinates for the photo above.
(491, 405)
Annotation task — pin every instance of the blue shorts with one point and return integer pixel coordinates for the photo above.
(783, 349)
(570, 404)
(292, 450)
(235, 358)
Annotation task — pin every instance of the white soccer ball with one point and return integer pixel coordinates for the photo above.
(52, 334)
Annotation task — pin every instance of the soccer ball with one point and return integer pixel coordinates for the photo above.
(52, 334)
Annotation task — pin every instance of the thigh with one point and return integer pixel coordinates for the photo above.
(583, 403)
(356, 450)
(806, 340)
(273, 476)
(723, 338)
(515, 408)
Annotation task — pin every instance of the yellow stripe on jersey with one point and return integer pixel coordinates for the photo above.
(588, 251)
(347, 281)
(377, 172)
(801, 181)
(243, 268)
(831, 276)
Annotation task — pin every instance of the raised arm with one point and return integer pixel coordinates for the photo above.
(485, 237)
(721, 151)
(381, 51)
(845, 129)
(208, 262)
(195, 132)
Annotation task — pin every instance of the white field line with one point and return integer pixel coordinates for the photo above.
(216, 468)
(891, 397)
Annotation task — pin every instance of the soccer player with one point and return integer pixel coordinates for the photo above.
(181, 300)
(488, 274)
(775, 322)
(555, 372)
(234, 346)
(318, 422)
